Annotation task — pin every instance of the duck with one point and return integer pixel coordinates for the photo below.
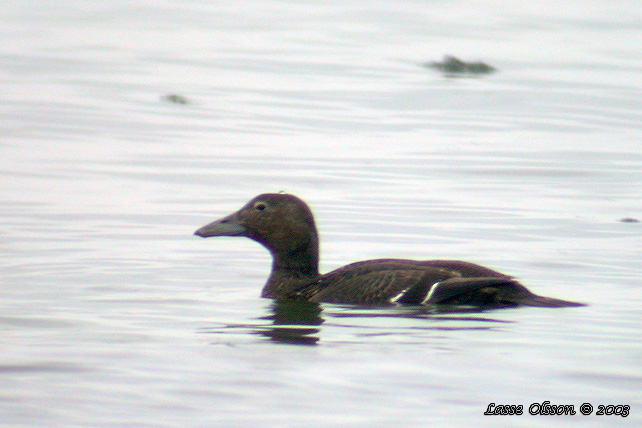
(284, 224)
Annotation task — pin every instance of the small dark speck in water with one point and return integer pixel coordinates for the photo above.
(175, 98)
(454, 66)
(629, 220)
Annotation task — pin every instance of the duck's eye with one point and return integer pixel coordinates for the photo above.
(260, 206)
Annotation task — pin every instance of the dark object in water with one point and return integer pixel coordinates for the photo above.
(175, 98)
(452, 65)
(629, 220)
(285, 225)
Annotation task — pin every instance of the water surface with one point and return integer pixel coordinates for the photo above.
(115, 315)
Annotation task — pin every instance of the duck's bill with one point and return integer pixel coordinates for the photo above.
(227, 226)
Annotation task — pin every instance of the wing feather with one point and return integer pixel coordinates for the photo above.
(373, 283)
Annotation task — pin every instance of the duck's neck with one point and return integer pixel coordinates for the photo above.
(292, 268)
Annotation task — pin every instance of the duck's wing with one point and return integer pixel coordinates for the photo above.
(392, 281)
(477, 291)
(376, 282)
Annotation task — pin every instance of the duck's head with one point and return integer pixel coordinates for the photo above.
(281, 222)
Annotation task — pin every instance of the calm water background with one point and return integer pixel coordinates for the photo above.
(114, 315)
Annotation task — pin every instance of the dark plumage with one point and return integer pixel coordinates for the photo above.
(284, 225)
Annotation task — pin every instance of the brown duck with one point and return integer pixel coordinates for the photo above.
(284, 225)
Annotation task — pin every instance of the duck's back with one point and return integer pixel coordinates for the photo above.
(375, 282)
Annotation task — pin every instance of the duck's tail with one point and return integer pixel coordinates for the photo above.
(547, 302)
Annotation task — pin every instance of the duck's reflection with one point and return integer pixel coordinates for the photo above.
(293, 322)
(297, 322)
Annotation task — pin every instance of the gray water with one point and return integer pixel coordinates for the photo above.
(114, 315)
